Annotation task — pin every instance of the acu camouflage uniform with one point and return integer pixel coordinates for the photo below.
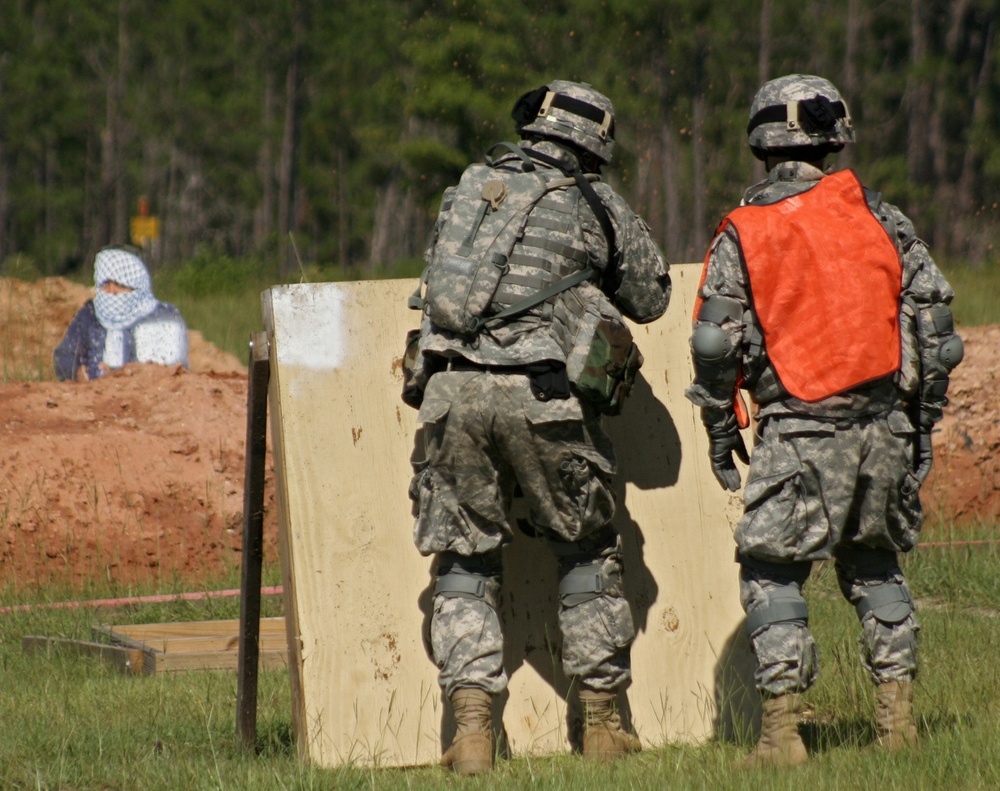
(486, 433)
(832, 478)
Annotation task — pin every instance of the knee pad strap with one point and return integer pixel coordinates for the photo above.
(583, 583)
(889, 603)
(785, 605)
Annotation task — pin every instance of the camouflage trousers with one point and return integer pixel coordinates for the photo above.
(484, 435)
(818, 490)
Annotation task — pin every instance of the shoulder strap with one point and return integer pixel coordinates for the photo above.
(596, 205)
(600, 212)
(538, 297)
(513, 148)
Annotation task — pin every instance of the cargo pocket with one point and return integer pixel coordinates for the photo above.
(595, 634)
(783, 507)
(434, 503)
(904, 513)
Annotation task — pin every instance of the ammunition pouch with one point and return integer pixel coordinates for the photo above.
(548, 381)
(414, 379)
(601, 359)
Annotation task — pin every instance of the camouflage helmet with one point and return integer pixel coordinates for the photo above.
(796, 111)
(571, 111)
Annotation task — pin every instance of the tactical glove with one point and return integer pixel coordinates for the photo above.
(723, 439)
(922, 453)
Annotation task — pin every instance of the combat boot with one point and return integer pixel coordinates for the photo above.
(779, 743)
(471, 750)
(894, 721)
(603, 736)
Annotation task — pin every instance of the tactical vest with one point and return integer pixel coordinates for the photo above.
(509, 236)
(550, 247)
(825, 280)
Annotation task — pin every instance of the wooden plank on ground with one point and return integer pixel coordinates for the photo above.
(190, 645)
(169, 647)
(126, 658)
(216, 628)
(157, 662)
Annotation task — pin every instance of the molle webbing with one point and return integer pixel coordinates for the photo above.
(550, 248)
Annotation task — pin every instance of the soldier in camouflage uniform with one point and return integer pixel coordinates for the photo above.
(820, 301)
(498, 413)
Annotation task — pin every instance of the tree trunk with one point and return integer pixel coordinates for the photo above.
(918, 95)
(938, 142)
(114, 209)
(965, 190)
(343, 211)
(264, 221)
(849, 88)
(674, 223)
(4, 184)
(394, 234)
(289, 147)
(763, 67)
(700, 178)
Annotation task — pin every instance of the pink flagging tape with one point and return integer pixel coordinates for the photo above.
(153, 599)
(959, 543)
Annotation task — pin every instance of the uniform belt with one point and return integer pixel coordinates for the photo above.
(463, 364)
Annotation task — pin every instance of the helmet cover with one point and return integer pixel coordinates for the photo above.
(798, 111)
(570, 111)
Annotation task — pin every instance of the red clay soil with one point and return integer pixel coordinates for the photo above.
(138, 477)
(135, 477)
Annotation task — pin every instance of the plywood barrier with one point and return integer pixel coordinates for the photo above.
(358, 593)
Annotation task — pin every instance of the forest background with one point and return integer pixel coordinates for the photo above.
(305, 131)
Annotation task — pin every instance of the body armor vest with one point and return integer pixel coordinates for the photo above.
(550, 248)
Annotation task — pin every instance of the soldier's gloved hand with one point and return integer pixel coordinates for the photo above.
(723, 440)
(923, 455)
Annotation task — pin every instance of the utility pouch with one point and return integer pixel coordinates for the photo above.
(548, 381)
(602, 360)
(489, 209)
(413, 379)
(460, 290)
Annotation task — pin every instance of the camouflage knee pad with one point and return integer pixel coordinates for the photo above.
(466, 635)
(777, 624)
(594, 617)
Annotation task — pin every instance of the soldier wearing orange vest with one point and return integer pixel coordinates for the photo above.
(819, 301)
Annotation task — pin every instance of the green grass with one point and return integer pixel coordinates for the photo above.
(70, 723)
(977, 293)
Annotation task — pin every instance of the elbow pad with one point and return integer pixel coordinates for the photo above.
(938, 325)
(940, 351)
(712, 346)
(951, 352)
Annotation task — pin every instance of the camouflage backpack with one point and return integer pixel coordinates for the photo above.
(489, 210)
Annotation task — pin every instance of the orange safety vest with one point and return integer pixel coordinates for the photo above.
(825, 280)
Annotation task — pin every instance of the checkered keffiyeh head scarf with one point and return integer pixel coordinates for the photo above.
(117, 312)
